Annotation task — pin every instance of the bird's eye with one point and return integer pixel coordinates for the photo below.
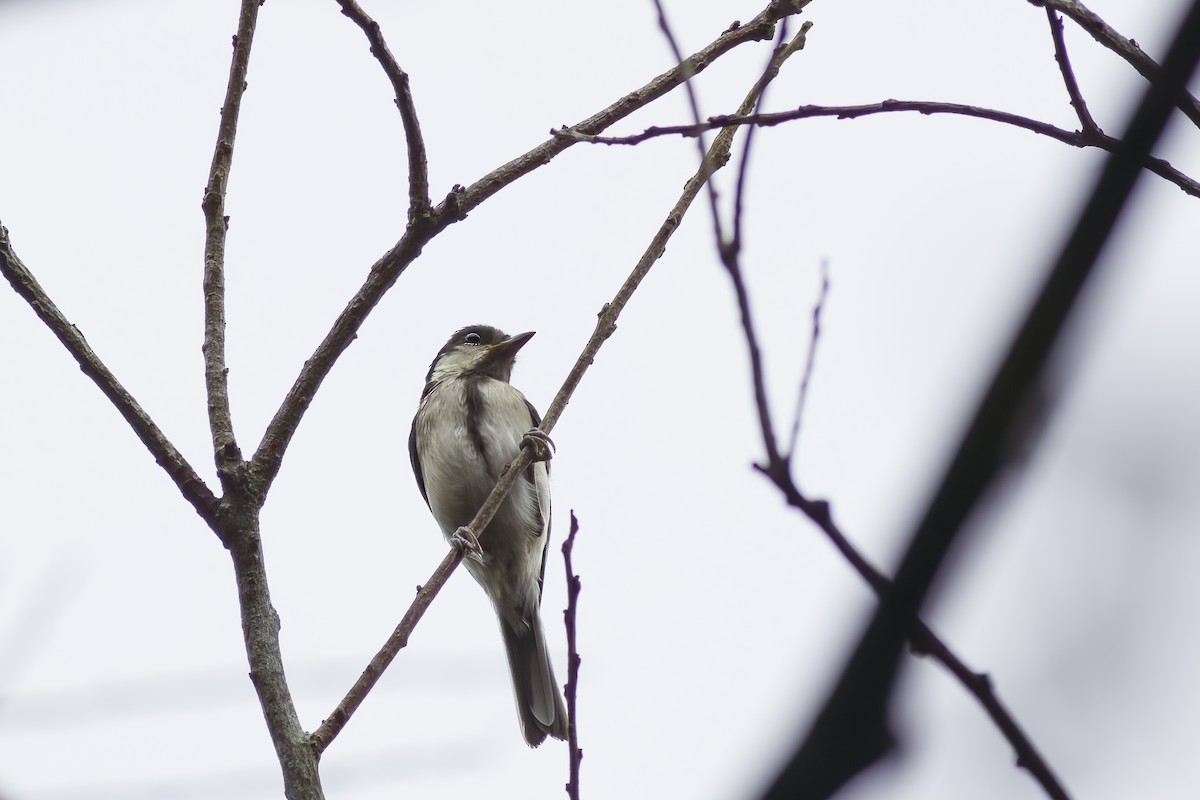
(473, 338)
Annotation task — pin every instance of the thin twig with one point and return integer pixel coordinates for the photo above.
(418, 167)
(1126, 48)
(216, 224)
(570, 616)
(1068, 74)
(606, 325)
(190, 485)
(809, 361)
(1158, 166)
(384, 273)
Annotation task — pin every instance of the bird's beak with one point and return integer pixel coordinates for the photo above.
(509, 347)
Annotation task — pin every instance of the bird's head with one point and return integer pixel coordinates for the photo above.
(477, 350)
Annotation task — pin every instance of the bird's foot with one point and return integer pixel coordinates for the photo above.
(467, 542)
(539, 443)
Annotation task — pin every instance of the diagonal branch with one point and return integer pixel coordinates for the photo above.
(1068, 74)
(419, 204)
(387, 270)
(1126, 48)
(216, 224)
(1158, 166)
(606, 325)
(171, 460)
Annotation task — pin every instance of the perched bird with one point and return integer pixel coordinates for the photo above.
(471, 423)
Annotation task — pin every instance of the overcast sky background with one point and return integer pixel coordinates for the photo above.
(712, 619)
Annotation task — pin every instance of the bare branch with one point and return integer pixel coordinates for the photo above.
(573, 661)
(190, 485)
(216, 374)
(1068, 74)
(606, 325)
(332, 725)
(385, 272)
(802, 395)
(419, 204)
(1127, 49)
(298, 760)
(1158, 166)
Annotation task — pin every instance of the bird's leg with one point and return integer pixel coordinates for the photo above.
(467, 542)
(540, 443)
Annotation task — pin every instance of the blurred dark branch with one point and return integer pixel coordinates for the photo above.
(1068, 75)
(190, 485)
(216, 225)
(419, 204)
(1110, 144)
(1126, 48)
(851, 731)
(387, 270)
(573, 660)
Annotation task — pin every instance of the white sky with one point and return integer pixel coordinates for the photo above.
(712, 619)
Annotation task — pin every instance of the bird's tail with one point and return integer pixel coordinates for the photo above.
(539, 701)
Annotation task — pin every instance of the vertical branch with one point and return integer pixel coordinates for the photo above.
(573, 661)
(216, 225)
(298, 758)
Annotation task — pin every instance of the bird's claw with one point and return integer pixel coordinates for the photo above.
(467, 543)
(539, 443)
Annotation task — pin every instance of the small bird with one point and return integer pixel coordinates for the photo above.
(469, 425)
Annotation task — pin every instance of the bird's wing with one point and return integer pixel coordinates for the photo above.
(416, 462)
